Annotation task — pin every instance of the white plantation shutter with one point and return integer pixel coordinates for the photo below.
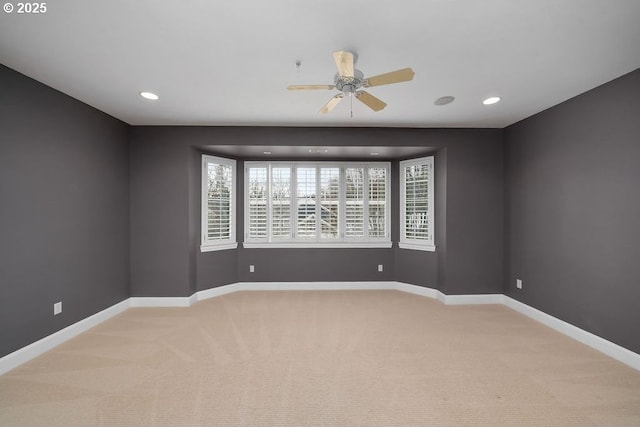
(416, 203)
(302, 204)
(219, 190)
(354, 203)
(377, 212)
(218, 206)
(417, 213)
(306, 202)
(281, 202)
(258, 195)
(329, 202)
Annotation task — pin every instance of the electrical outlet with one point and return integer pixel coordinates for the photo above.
(57, 308)
(518, 283)
(380, 267)
(252, 268)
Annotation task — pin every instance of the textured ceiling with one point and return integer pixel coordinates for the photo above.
(228, 63)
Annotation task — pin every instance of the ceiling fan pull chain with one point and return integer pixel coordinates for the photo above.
(351, 101)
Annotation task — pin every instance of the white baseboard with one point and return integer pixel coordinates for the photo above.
(27, 353)
(217, 291)
(160, 301)
(612, 350)
(473, 299)
(314, 286)
(18, 357)
(417, 290)
(291, 286)
(450, 299)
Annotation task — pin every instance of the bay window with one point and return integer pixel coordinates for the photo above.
(316, 204)
(218, 204)
(416, 204)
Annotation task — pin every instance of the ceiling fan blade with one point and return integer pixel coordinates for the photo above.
(370, 101)
(397, 76)
(344, 62)
(310, 87)
(332, 103)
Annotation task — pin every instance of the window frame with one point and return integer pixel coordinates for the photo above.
(409, 243)
(318, 242)
(206, 244)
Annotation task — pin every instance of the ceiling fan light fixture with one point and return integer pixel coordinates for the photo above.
(149, 95)
(491, 100)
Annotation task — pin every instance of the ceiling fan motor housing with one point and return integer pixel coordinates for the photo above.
(349, 84)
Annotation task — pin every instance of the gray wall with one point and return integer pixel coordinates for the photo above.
(474, 215)
(160, 230)
(165, 186)
(64, 210)
(573, 211)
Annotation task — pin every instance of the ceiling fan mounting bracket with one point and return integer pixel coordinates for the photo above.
(348, 84)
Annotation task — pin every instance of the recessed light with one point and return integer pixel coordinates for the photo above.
(149, 95)
(318, 150)
(375, 154)
(444, 100)
(491, 100)
(266, 152)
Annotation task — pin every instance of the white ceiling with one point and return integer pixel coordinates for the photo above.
(229, 62)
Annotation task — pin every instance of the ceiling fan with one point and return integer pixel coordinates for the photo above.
(350, 81)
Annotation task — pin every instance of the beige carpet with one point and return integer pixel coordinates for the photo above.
(321, 358)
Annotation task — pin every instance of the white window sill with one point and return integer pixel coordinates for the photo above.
(417, 247)
(219, 247)
(333, 245)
